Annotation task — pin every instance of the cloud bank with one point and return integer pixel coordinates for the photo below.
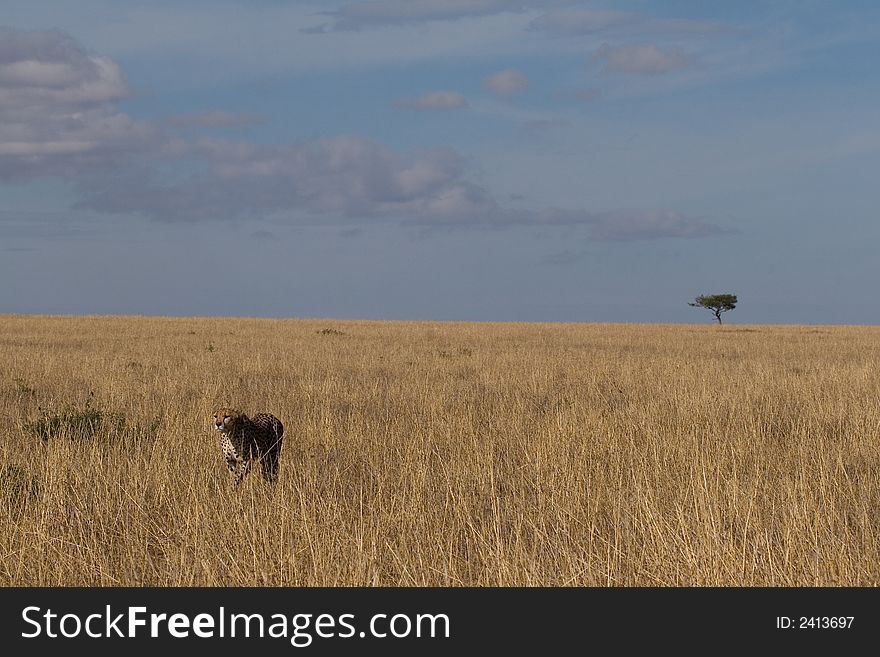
(58, 112)
(348, 176)
(59, 116)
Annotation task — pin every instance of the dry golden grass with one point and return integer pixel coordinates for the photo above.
(443, 454)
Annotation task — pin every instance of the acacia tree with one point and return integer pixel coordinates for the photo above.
(717, 303)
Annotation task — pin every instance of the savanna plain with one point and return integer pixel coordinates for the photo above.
(440, 454)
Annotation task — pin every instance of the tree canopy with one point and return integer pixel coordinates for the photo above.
(717, 303)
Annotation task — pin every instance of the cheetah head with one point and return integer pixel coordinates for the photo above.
(224, 419)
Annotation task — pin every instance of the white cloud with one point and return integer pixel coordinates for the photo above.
(248, 40)
(581, 21)
(641, 60)
(578, 22)
(347, 176)
(50, 67)
(57, 107)
(435, 100)
(379, 13)
(506, 83)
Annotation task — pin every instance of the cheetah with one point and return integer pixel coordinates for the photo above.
(243, 439)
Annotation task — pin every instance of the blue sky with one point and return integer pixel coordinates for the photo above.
(558, 160)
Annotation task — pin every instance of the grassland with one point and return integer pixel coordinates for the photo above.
(440, 453)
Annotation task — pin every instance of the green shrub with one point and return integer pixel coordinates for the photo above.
(86, 423)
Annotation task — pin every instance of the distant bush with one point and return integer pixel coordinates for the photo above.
(85, 423)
